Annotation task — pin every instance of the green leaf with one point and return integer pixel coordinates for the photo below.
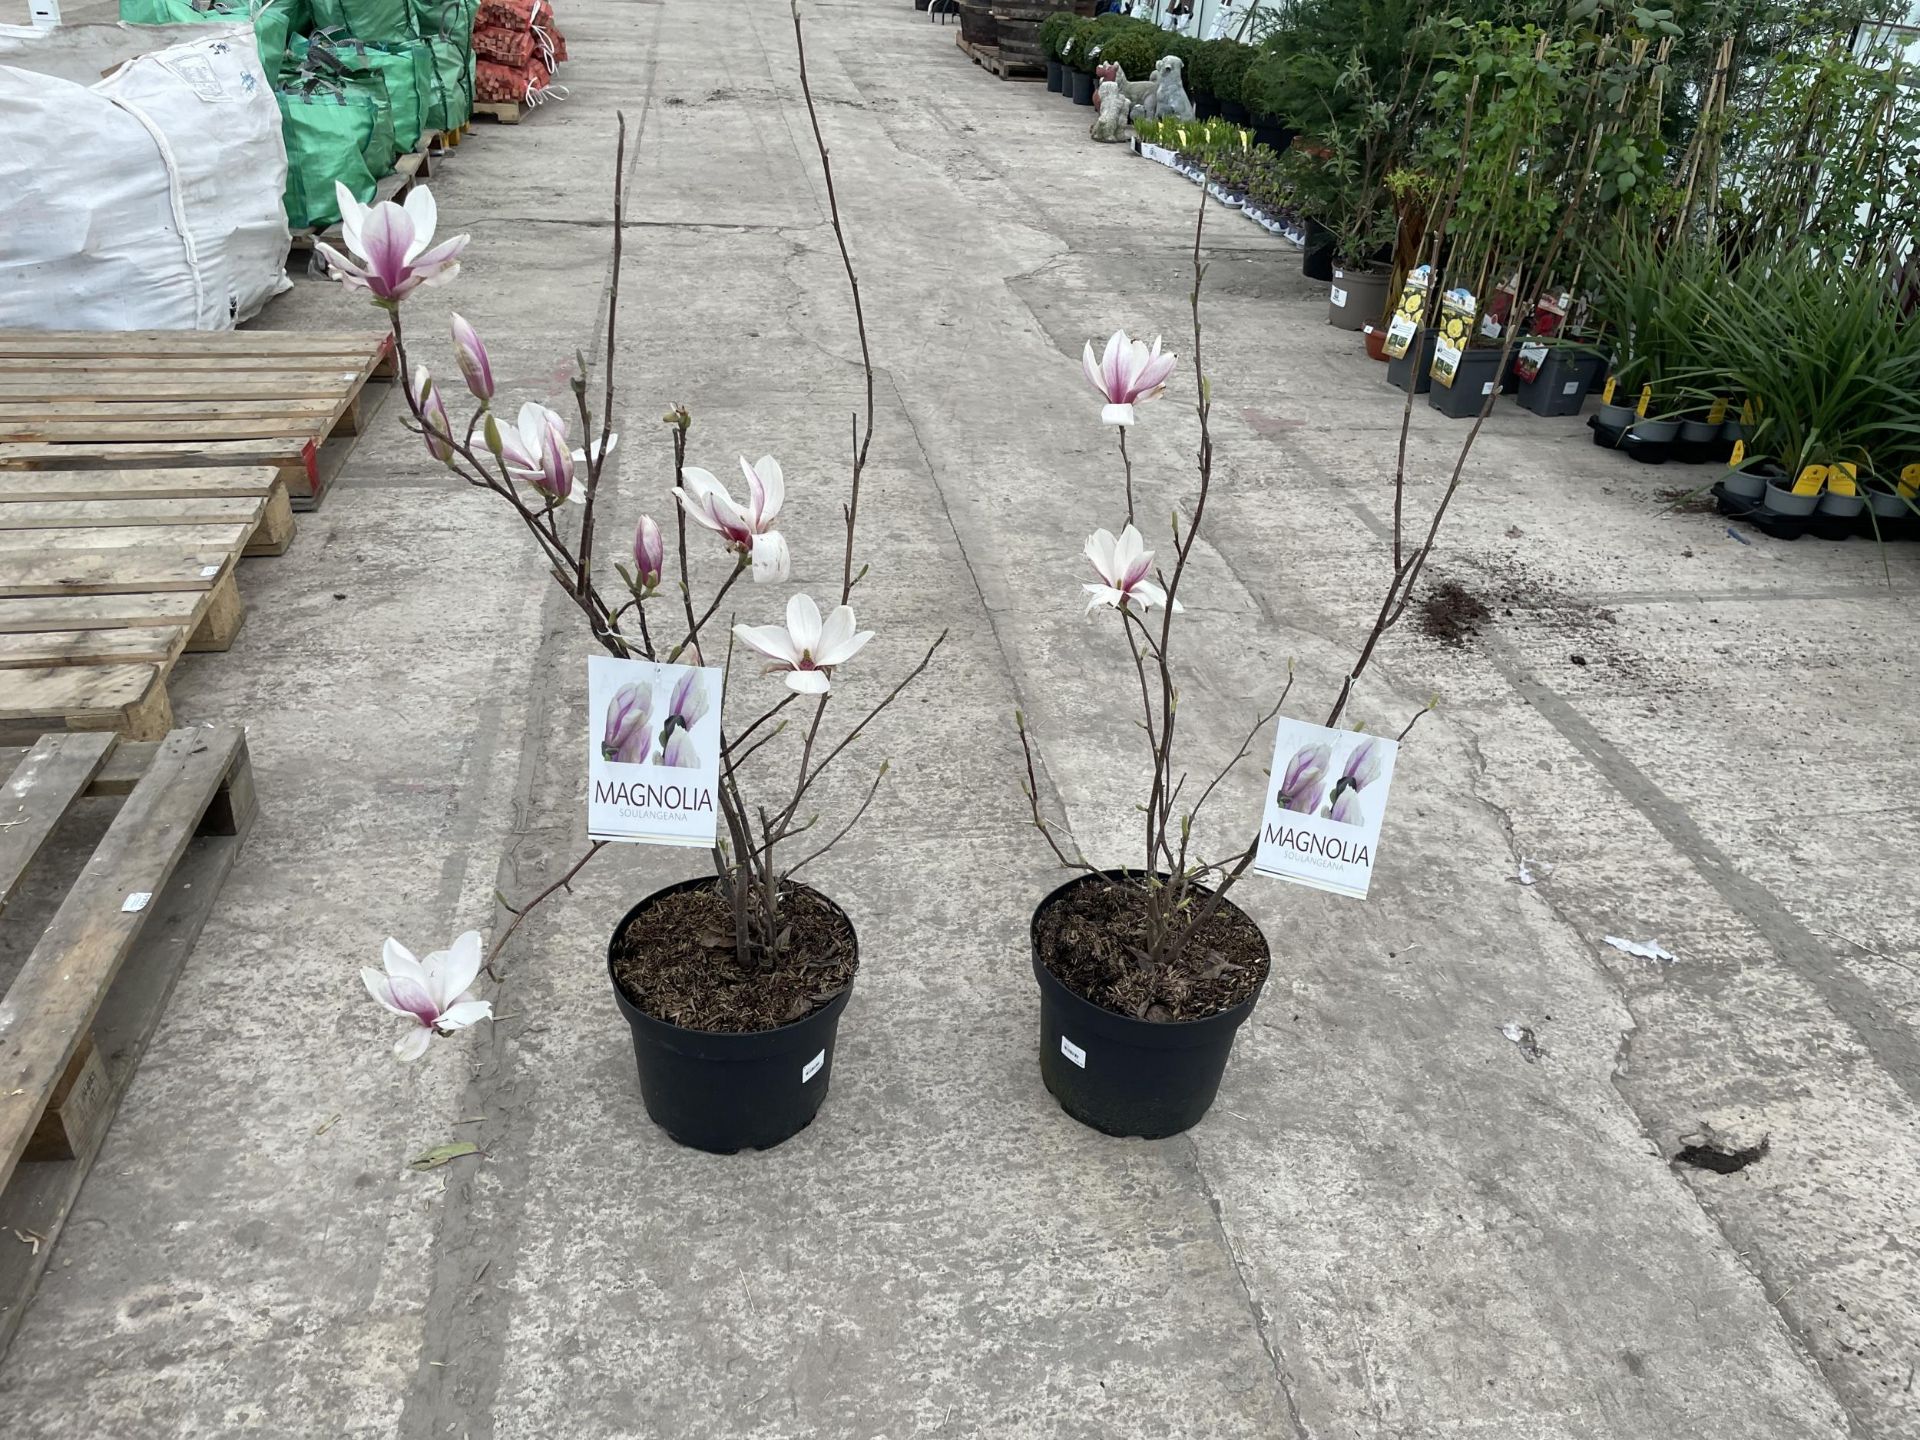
(442, 1154)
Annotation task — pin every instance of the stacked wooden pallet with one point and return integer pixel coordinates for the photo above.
(106, 578)
(95, 401)
(105, 938)
(1003, 36)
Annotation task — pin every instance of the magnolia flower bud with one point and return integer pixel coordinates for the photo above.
(436, 432)
(472, 357)
(649, 552)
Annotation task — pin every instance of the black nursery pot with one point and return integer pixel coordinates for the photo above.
(1082, 87)
(1477, 377)
(1415, 368)
(1056, 74)
(726, 1091)
(1560, 386)
(1316, 260)
(1132, 1078)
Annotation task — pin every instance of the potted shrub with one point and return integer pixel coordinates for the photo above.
(733, 983)
(1146, 970)
(1054, 30)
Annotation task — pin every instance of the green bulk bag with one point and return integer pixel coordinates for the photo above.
(385, 22)
(327, 129)
(450, 19)
(408, 70)
(351, 65)
(273, 21)
(453, 71)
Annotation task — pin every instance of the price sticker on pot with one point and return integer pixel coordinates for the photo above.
(1326, 801)
(1338, 297)
(1073, 1052)
(653, 752)
(812, 1067)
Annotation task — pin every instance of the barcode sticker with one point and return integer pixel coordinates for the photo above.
(812, 1067)
(1571, 387)
(1073, 1052)
(1338, 296)
(1487, 388)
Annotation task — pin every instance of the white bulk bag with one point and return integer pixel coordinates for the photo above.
(148, 201)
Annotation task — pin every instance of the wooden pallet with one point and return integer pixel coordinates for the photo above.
(409, 169)
(146, 398)
(505, 112)
(994, 61)
(106, 580)
(78, 1014)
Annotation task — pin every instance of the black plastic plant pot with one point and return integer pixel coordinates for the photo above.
(1056, 75)
(724, 1091)
(1316, 260)
(1082, 87)
(1474, 382)
(1233, 110)
(1610, 424)
(1651, 441)
(1144, 1079)
(1414, 368)
(1699, 443)
(1559, 387)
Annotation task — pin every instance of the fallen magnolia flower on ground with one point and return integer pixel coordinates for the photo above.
(1645, 949)
(433, 993)
(1122, 566)
(1128, 374)
(393, 242)
(805, 648)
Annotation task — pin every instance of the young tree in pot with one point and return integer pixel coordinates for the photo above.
(733, 984)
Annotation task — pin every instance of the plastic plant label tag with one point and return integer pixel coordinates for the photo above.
(653, 752)
(1572, 387)
(1606, 395)
(1446, 361)
(1842, 477)
(1810, 481)
(135, 902)
(1532, 356)
(1325, 804)
(1739, 455)
(1400, 332)
(1338, 296)
(1490, 327)
(1717, 415)
(1909, 481)
(1073, 1052)
(812, 1067)
(1646, 401)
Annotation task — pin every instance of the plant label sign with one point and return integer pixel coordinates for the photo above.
(1325, 803)
(653, 752)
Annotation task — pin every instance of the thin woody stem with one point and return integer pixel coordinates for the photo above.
(521, 914)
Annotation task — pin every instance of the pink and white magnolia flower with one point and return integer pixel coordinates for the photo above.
(1346, 810)
(679, 752)
(1123, 566)
(393, 242)
(649, 553)
(1128, 374)
(628, 736)
(1364, 764)
(805, 648)
(471, 354)
(1303, 784)
(747, 529)
(436, 429)
(534, 450)
(433, 993)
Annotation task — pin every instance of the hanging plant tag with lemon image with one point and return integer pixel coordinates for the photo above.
(1407, 311)
(1456, 326)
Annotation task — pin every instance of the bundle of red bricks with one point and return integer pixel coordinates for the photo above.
(516, 48)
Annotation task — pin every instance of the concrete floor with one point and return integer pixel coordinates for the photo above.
(1393, 1225)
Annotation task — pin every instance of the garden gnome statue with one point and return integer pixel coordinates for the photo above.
(1111, 125)
(1169, 98)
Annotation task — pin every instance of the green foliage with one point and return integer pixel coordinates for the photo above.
(1054, 30)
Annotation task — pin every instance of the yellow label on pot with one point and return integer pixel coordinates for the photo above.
(1739, 454)
(1606, 395)
(1810, 481)
(1646, 400)
(1718, 414)
(1910, 480)
(1840, 479)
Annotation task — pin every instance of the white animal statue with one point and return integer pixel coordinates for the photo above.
(1112, 123)
(1169, 98)
(1136, 91)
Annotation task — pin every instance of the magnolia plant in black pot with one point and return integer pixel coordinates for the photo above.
(732, 983)
(1147, 970)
